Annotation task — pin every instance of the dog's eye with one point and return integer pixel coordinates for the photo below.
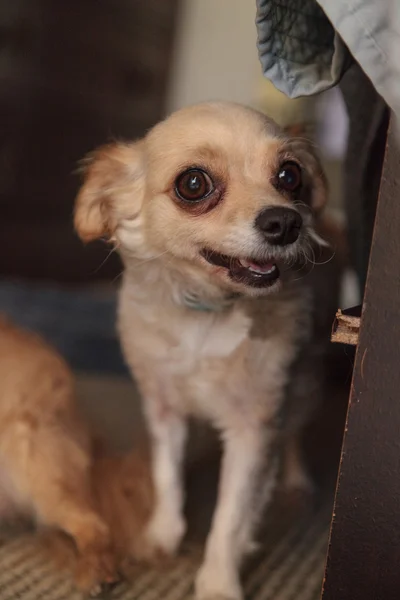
(289, 176)
(193, 185)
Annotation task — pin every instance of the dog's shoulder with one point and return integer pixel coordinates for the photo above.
(285, 315)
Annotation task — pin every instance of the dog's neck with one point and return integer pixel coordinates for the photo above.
(157, 281)
(195, 301)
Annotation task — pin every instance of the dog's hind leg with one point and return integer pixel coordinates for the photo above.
(49, 471)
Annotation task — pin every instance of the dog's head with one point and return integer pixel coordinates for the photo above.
(216, 187)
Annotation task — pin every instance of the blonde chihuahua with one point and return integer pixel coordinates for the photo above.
(215, 213)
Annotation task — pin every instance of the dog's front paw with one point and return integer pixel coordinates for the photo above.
(162, 537)
(96, 572)
(214, 583)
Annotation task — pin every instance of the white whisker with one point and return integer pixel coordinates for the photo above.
(148, 260)
(103, 262)
(318, 239)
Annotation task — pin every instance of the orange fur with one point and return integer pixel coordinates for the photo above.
(52, 472)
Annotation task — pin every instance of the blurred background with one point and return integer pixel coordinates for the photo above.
(76, 74)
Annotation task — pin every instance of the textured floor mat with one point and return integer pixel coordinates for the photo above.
(289, 567)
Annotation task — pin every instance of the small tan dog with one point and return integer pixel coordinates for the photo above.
(214, 213)
(51, 470)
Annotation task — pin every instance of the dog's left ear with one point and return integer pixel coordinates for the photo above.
(304, 147)
(113, 188)
(318, 183)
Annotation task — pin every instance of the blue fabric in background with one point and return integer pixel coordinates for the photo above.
(79, 323)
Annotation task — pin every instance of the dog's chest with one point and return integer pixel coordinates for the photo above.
(220, 369)
(177, 340)
(209, 362)
(205, 337)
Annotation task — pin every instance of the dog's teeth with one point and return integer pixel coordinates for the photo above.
(259, 269)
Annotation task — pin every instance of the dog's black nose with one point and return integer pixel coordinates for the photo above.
(280, 226)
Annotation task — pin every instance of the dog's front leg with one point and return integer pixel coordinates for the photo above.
(168, 432)
(247, 480)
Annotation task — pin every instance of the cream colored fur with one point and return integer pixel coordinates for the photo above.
(231, 365)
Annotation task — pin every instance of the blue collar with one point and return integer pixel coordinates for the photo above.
(193, 302)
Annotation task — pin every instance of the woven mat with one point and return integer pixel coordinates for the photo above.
(288, 567)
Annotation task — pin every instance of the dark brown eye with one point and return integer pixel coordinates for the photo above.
(289, 176)
(193, 185)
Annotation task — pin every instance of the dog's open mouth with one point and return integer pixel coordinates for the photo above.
(246, 271)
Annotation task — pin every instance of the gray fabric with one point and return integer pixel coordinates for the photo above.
(299, 50)
(367, 114)
(364, 27)
(303, 43)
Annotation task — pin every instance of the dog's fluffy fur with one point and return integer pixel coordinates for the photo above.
(232, 362)
(53, 470)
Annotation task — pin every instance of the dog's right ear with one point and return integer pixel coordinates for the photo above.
(112, 189)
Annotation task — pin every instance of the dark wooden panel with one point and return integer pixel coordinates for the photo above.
(364, 552)
(73, 74)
